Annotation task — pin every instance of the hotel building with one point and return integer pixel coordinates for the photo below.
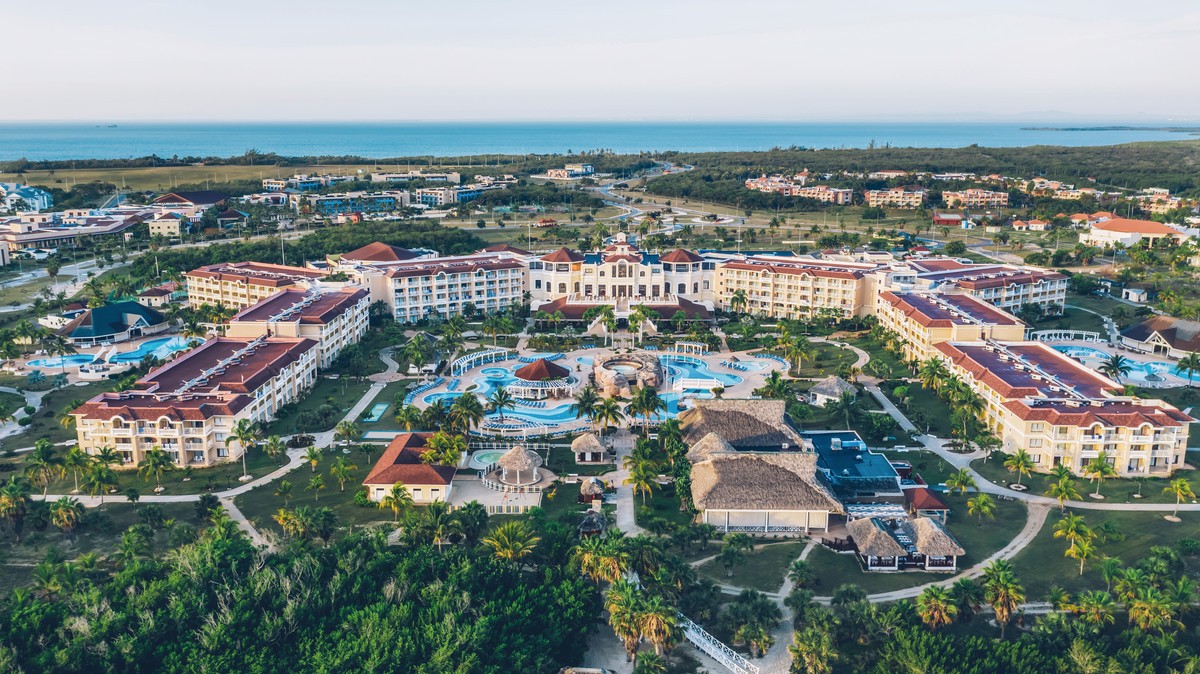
(825, 194)
(242, 284)
(975, 198)
(896, 197)
(1062, 412)
(924, 319)
(795, 287)
(334, 320)
(190, 406)
(621, 271)
(416, 289)
(1004, 286)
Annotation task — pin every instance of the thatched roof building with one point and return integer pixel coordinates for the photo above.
(589, 449)
(873, 539)
(594, 523)
(786, 481)
(931, 538)
(591, 487)
(830, 388)
(746, 425)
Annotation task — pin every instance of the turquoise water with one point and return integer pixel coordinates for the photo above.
(697, 370)
(376, 412)
(482, 459)
(52, 140)
(160, 348)
(1139, 372)
(73, 360)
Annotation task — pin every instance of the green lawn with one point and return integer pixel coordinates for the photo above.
(936, 414)
(1118, 490)
(220, 477)
(662, 505)
(879, 354)
(341, 393)
(260, 503)
(833, 569)
(562, 462)
(45, 420)
(1073, 319)
(1105, 306)
(765, 569)
(387, 395)
(829, 358)
(1042, 563)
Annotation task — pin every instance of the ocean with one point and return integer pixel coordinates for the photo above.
(62, 141)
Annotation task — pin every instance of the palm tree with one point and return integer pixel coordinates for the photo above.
(932, 373)
(316, 485)
(99, 480)
(445, 448)
(396, 500)
(43, 463)
(1098, 469)
(1072, 528)
(408, 416)
(737, 301)
(608, 413)
(154, 463)
(729, 557)
(1064, 490)
(346, 431)
(284, 491)
(847, 406)
(1020, 463)
(107, 456)
(1004, 592)
(960, 481)
(622, 602)
(14, 504)
(438, 522)
(967, 595)
(466, 412)
(342, 470)
(77, 461)
(313, 456)
(1117, 366)
(501, 400)
(658, 622)
(936, 607)
(1150, 609)
(982, 505)
(247, 434)
(66, 513)
(601, 558)
(1082, 549)
(1096, 607)
(1180, 489)
(512, 542)
(586, 403)
(275, 447)
(1189, 365)
(814, 650)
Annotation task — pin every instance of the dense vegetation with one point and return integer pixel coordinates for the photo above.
(543, 195)
(313, 246)
(1173, 165)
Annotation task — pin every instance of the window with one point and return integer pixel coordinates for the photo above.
(682, 288)
(537, 284)
(562, 288)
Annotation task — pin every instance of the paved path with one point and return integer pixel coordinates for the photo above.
(890, 408)
(236, 515)
(623, 442)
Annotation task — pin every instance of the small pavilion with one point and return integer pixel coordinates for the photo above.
(541, 379)
(588, 449)
(518, 467)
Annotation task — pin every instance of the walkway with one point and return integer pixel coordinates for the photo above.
(623, 443)
(1114, 335)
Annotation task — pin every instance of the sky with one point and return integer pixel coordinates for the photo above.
(634, 60)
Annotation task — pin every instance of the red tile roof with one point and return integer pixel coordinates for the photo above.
(931, 313)
(505, 248)
(923, 498)
(680, 255)
(379, 252)
(794, 268)
(135, 406)
(463, 265)
(563, 254)
(257, 273)
(325, 308)
(1127, 226)
(252, 371)
(541, 370)
(1012, 378)
(1109, 415)
(401, 463)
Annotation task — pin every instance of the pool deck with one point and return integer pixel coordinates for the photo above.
(469, 488)
(750, 379)
(1169, 380)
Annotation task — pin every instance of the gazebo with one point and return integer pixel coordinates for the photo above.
(519, 466)
(590, 490)
(594, 523)
(588, 449)
(541, 379)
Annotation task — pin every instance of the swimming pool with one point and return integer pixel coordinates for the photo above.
(73, 360)
(484, 458)
(159, 348)
(694, 368)
(376, 412)
(1139, 372)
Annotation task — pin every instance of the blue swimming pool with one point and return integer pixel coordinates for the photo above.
(159, 348)
(1139, 371)
(694, 368)
(73, 360)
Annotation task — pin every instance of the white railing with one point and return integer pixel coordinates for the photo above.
(473, 360)
(716, 650)
(1066, 336)
(706, 384)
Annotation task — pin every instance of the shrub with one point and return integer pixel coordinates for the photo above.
(361, 500)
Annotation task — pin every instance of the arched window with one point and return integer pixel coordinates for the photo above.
(562, 288)
(682, 288)
(695, 287)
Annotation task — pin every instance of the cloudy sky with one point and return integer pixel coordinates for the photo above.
(615, 60)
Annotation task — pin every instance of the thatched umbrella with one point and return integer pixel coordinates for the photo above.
(516, 461)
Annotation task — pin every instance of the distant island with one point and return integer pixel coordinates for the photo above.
(1168, 129)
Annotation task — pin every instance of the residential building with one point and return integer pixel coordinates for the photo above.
(1113, 231)
(975, 198)
(924, 319)
(824, 194)
(169, 225)
(1163, 335)
(409, 176)
(15, 197)
(896, 197)
(415, 289)
(571, 171)
(242, 284)
(334, 319)
(190, 204)
(303, 182)
(1062, 412)
(401, 463)
(888, 174)
(190, 406)
(351, 202)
